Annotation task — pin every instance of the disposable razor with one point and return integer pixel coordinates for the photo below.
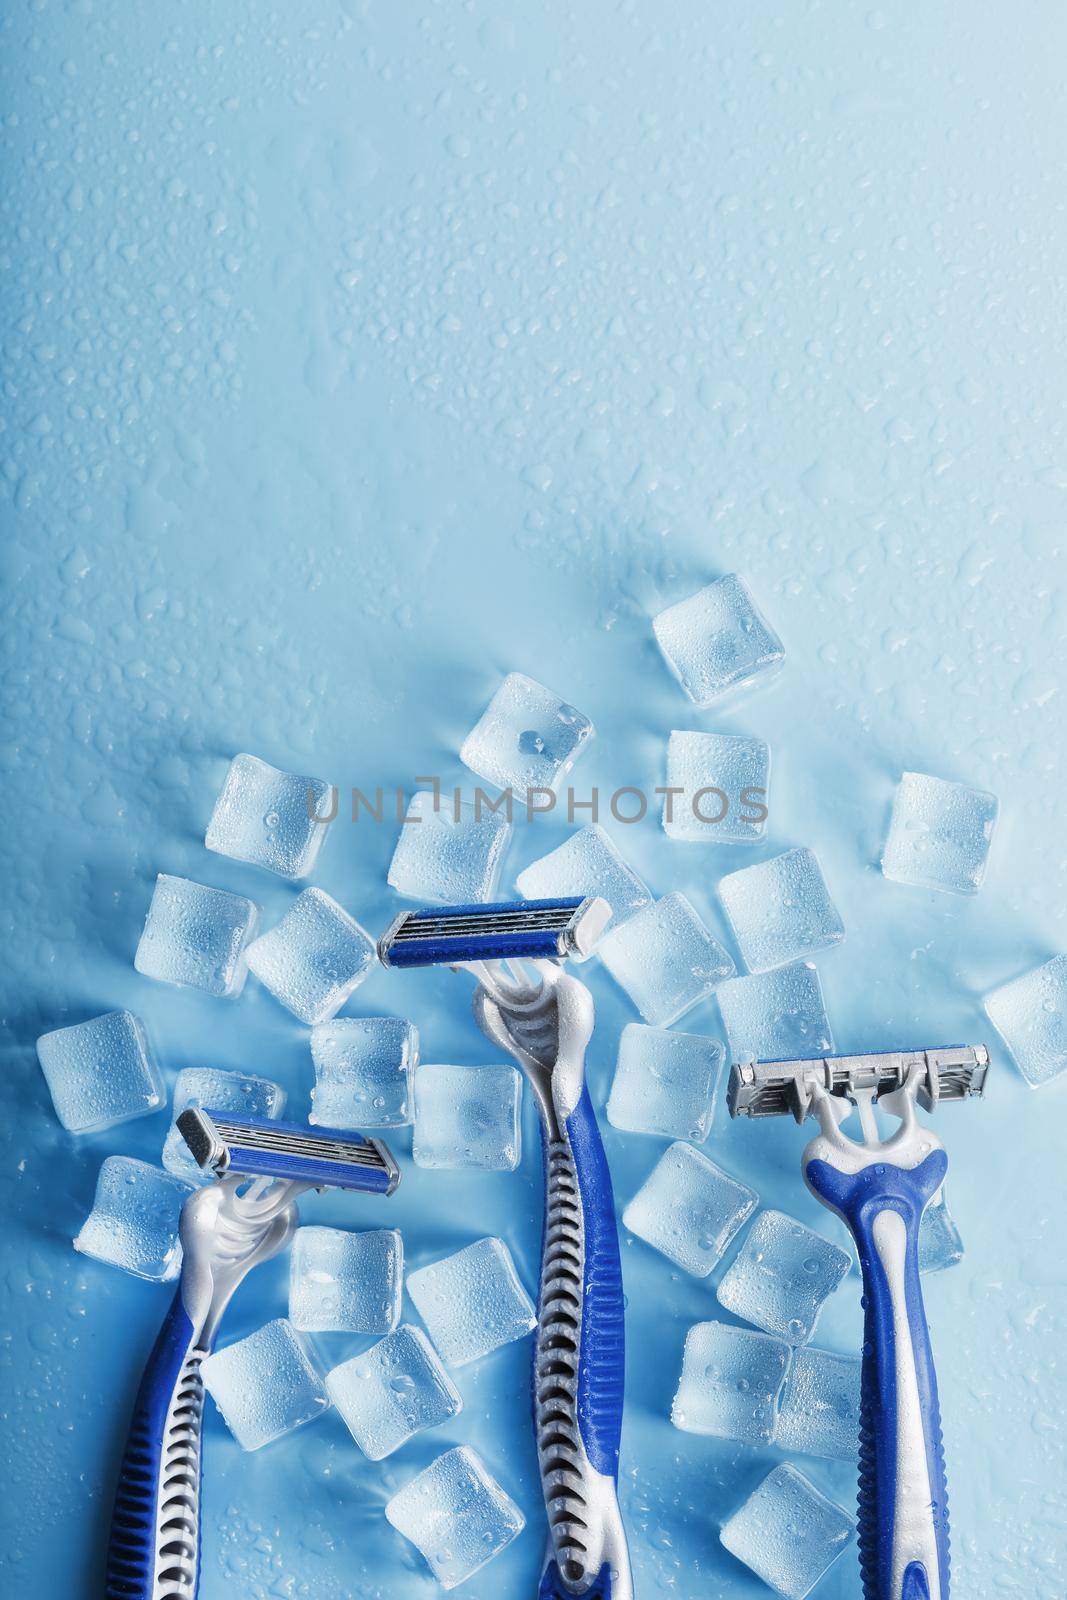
(543, 1018)
(227, 1228)
(880, 1188)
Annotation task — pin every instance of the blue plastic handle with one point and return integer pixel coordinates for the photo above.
(134, 1541)
(601, 1353)
(903, 1528)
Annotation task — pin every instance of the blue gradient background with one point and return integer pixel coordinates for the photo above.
(355, 354)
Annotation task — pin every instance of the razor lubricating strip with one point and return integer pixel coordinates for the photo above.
(537, 930)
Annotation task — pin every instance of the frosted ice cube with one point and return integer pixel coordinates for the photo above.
(215, 1090)
(363, 1072)
(135, 1218)
(472, 1302)
(456, 1514)
(527, 738)
(314, 958)
(734, 772)
(665, 1083)
(665, 959)
(717, 640)
(780, 910)
(341, 1282)
(1030, 1014)
(448, 852)
(265, 1385)
(788, 1533)
(730, 1384)
(781, 1276)
(467, 1117)
(819, 1413)
(196, 937)
(690, 1209)
(939, 834)
(586, 863)
(775, 1016)
(269, 817)
(391, 1391)
(100, 1072)
(940, 1245)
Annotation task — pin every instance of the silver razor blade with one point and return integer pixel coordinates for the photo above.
(537, 930)
(777, 1088)
(254, 1147)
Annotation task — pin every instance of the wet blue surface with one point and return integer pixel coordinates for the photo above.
(357, 354)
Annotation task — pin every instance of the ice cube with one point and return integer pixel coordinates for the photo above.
(665, 1083)
(780, 910)
(781, 1276)
(135, 1218)
(665, 959)
(730, 1384)
(939, 834)
(265, 1385)
(940, 1245)
(723, 782)
(314, 958)
(586, 863)
(527, 738)
(215, 1090)
(363, 1072)
(448, 851)
(196, 937)
(472, 1302)
(1030, 1014)
(100, 1072)
(456, 1514)
(391, 1391)
(819, 1413)
(467, 1117)
(775, 1016)
(717, 640)
(788, 1533)
(270, 818)
(341, 1282)
(690, 1209)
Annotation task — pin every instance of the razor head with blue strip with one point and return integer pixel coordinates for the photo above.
(254, 1147)
(778, 1088)
(534, 930)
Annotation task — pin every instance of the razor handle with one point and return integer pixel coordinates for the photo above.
(578, 1366)
(154, 1547)
(903, 1498)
